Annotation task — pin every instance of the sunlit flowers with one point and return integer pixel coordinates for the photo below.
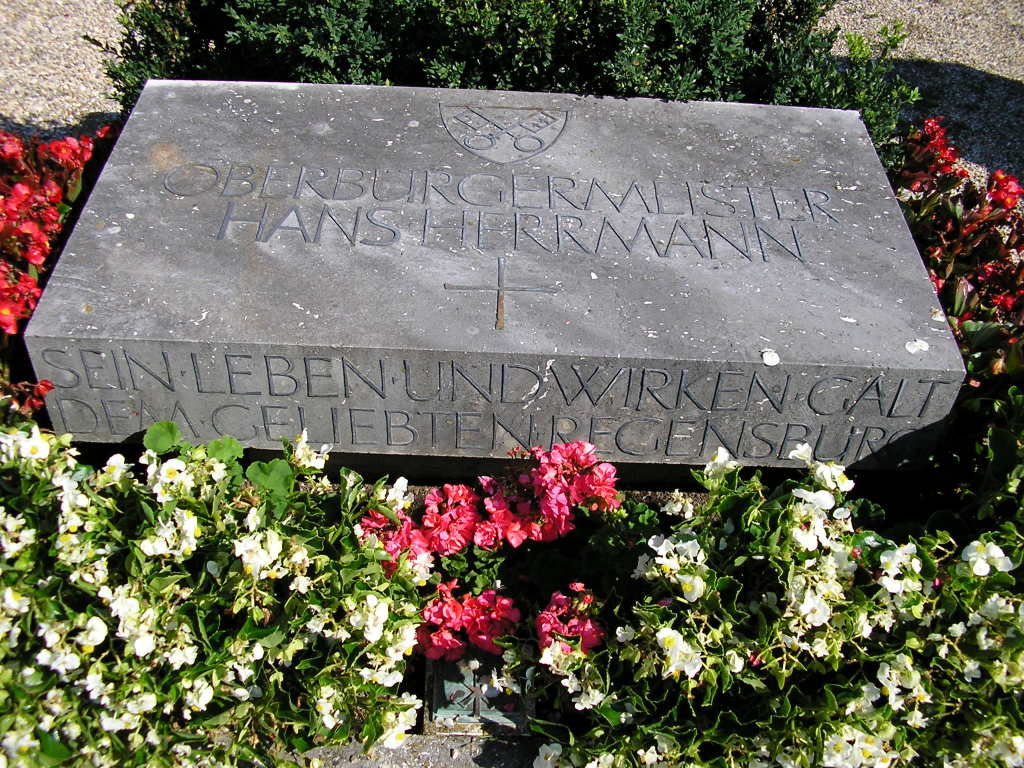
(679, 655)
(982, 557)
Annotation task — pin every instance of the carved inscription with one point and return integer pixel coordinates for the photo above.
(506, 211)
(367, 402)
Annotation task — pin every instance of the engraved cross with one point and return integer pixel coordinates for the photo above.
(500, 289)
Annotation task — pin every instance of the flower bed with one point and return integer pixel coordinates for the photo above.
(151, 612)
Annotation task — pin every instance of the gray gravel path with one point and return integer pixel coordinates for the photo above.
(52, 78)
(967, 59)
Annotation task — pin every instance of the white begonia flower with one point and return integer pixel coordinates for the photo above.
(822, 500)
(680, 656)
(113, 724)
(720, 464)
(643, 567)
(661, 545)
(572, 684)
(181, 656)
(95, 632)
(678, 506)
(259, 553)
(253, 519)
(174, 473)
(114, 469)
(144, 644)
(983, 557)
(814, 609)
(398, 496)
(59, 660)
(802, 453)
(198, 697)
(832, 476)
(648, 756)
(18, 744)
(625, 634)
(896, 577)
(972, 670)
(35, 447)
(806, 537)
(370, 617)
(589, 698)
(605, 760)
(996, 606)
(692, 586)
(1009, 749)
(14, 536)
(735, 661)
(690, 550)
(15, 603)
(142, 703)
(547, 756)
(329, 714)
(306, 457)
(401, 722)
(420, 567)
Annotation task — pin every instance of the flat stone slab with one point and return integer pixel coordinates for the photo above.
(459, 273)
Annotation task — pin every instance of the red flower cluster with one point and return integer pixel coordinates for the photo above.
(483, 619)
(569, 618)
(971, 237)
(25, 397)
(451, 517)
(35, 183)
(536, 506)
(1004, 190)
(930, 161)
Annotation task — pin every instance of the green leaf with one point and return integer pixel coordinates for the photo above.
(164, 583)
(162, 437)
(53, 749)
(273, 476)
(225, 449)
(272, 640)
(74, 188)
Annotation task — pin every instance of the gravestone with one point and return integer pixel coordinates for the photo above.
(460, 273)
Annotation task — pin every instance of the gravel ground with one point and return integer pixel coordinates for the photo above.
(52, 77)
(966, 57)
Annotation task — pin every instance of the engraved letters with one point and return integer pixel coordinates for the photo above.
(364, 401)
(509, 211)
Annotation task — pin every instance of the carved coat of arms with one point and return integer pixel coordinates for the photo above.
(503, 134)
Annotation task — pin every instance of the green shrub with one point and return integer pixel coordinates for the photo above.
(767, 51)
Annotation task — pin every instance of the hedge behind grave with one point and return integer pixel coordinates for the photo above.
(764, 51)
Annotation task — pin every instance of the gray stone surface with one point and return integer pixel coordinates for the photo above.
(461, 272)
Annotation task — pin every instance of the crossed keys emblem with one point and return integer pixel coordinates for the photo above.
(503, 134)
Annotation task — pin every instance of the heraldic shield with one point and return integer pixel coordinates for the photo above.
(503, 134)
